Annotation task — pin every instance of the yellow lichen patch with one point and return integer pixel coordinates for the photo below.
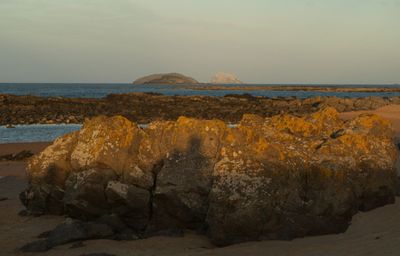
(188, 134)
(327, 114)
(371, 120)
(323, 122)
(104, 142)
(260, 146)
(356, 142)
(55, 157)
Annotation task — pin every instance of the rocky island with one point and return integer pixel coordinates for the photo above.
(268, 178)
(168, 79)
(225, 78)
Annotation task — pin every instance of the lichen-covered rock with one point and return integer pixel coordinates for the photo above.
(85, 193)
(130, 203)
(268, 178)
(185, 177)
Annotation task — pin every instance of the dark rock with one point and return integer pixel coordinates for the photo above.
(125, 235)
(113, 221)
(130, 203)
(70, 231)
(25, 154)
(45, 234)
(43, 199)
(23, 213)
(85, 193)
(3, 199)
(180, 199)
(36, 246)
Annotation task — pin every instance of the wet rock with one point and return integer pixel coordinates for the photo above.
(120, 227)
(281, 177)
(148, 107)
(23, 155)
(70, 231)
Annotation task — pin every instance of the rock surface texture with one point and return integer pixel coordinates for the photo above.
(268, 178)
(144, 108)
(225, 78)
(169, 78)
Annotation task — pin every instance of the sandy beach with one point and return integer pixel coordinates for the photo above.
(373, 233)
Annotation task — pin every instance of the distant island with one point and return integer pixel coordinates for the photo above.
(168, 79)
(225, 78)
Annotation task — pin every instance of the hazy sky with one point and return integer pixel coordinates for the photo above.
(262, 41)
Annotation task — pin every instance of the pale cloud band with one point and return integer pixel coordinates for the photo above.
(286, 41)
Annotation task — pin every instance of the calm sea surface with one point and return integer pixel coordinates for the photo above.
(35, 133)
(102, 90)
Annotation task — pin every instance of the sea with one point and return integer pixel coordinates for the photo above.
(39, 133)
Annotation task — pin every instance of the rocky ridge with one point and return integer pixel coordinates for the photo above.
(268, 178)
(145, 108)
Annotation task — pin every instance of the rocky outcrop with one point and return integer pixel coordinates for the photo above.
(110, 227)
(268, 178)
(225, 78)
(145, 108)
(169, 78)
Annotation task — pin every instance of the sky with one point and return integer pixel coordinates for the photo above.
(261, 41)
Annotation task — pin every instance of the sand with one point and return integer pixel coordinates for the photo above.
(391, 112)
(373, 233)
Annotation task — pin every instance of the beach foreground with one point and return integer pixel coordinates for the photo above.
(373, 233)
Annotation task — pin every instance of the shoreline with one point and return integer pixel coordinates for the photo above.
(296, 88)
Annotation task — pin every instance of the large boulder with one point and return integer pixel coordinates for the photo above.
(169, 78)
(267, 178)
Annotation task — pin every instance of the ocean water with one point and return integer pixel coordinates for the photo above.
(42, 132)
(102, 90)
(35, 133)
